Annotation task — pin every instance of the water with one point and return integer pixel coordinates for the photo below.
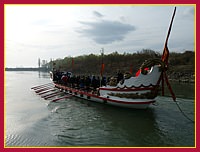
(33, 121)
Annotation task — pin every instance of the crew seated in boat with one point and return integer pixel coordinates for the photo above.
(120, 76)
(103, 81)
(64, 79)
(85, 83)
(88, 82)
(95, 82)
(113, 81)
(57, 76)
(127, 75)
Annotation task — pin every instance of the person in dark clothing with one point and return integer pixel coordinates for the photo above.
(98, 82)
(77, 82)
(94, 83)
(120, 76)
(103, 81)
(64, 79)
(82, 82)
(87, 83)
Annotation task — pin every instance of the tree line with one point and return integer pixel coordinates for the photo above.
(179, 63)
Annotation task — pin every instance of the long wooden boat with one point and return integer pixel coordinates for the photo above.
(133, 91)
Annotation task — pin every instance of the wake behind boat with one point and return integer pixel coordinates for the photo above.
(129, 91)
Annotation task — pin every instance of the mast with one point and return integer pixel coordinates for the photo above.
(102, 65)
(165, 55)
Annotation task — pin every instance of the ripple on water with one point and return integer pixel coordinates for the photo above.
(21, 140)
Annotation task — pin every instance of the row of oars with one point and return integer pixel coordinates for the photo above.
(48, 91)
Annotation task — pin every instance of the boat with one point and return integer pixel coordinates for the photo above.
(131, 92)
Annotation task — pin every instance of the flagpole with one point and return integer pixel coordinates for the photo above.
(102, 53)
(72, 63)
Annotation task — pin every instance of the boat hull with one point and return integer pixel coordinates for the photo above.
(110, 100)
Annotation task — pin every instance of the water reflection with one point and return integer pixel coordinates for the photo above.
(93, 124)
(182, 90)
(42, 74)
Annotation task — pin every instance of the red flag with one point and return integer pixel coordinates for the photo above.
(165, 55)
(139, 71)
(102, 68)
(72, 62)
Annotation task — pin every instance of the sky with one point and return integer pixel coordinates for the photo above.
(59, 31)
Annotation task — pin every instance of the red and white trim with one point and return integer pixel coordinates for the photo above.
(129, 103)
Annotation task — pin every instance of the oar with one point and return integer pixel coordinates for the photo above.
(53, 89)
(62, 98)
(43, 89)
(52, 95)
(40, 86)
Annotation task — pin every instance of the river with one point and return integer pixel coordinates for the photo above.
(32, 121)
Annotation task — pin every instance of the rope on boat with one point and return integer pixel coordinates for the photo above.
(151, 62)
(183, 113)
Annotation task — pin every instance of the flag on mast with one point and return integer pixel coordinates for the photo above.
(102, 68)
(165, 55)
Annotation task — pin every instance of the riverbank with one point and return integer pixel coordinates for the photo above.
(183, 80)
(27, 69)
(182, 77)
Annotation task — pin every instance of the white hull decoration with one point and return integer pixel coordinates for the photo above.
(131, 92)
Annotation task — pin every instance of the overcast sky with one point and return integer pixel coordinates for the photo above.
(58, 31)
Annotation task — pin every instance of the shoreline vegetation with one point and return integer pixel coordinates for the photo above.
(27, 69)
(181, 65)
